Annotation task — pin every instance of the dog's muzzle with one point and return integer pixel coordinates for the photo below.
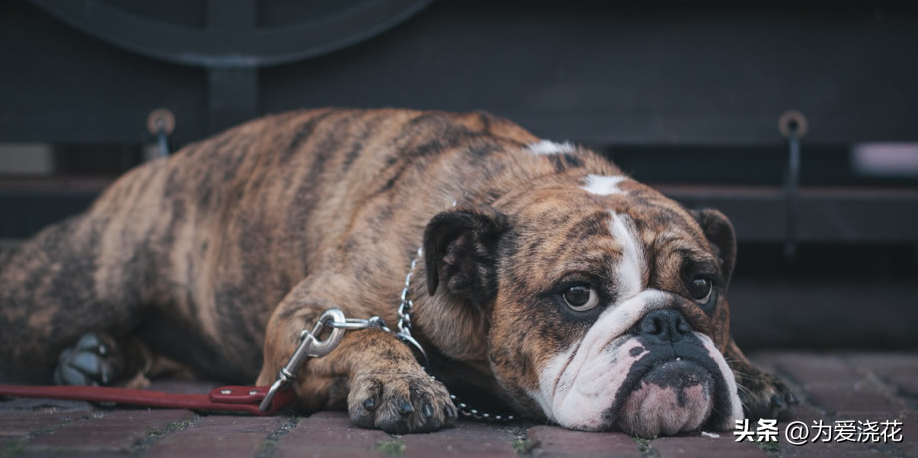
(643, 370)
(675, 386)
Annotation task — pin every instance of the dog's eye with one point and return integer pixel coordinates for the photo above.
(581, 298)
(700, 288)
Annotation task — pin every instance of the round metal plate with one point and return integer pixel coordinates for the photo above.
(230, 34)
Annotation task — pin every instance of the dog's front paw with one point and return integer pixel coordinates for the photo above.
(91, 361)
(767, 396)
(399, 401)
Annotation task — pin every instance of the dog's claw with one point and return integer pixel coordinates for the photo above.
(369, 404)
(428, 410)
(777, 402)
(404, 408)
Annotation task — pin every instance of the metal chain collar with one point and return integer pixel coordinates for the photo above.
(312, 347)
(405, 308)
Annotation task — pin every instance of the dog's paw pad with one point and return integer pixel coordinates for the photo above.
(399, 402)
(88, 362)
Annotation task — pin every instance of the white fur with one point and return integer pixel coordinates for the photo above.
(603, 185)
(545, 147)
(630, 270)
(735, 402)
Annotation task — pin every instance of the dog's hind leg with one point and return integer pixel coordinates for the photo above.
(88, 273)
(49, 296)
(100, 359)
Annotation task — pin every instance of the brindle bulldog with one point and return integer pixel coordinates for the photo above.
(554, 282)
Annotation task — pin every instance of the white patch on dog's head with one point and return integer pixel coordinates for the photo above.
(631, 267)
(545, 147)
(602, 185)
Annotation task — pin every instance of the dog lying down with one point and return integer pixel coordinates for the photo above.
(546, 278)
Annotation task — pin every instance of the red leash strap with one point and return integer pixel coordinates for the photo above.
(223, 399)
(256, 400)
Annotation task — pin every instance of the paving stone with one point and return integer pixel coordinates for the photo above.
(834, 382)
(807, 413)
(118, 431)
(766, 360)
(559, 442)
(905, 383)
(909, 443)
(909, 420)
(810, 368)
(851, 395)
(330, 434)
(845, 449)
(219, 435)
(46, 405)
(856, 386)
(832, 450)
(73, 454)
(7, 441)
(706, 447)
(465, 439)
(829, 383)
(898, 369)
(21, 423)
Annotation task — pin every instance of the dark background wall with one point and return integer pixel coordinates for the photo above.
(684, 95)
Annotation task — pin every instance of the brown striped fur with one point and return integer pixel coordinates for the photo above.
(219, 256)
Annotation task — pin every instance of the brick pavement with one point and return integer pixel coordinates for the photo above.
(834, 386)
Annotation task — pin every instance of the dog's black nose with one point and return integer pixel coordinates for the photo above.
(664, 324)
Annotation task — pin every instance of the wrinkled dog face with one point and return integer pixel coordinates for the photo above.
(610, 311)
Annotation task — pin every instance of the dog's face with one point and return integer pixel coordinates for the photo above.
(605, 302)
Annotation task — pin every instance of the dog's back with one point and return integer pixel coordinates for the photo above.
(208, 241)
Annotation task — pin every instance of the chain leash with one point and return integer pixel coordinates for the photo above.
(312, 347)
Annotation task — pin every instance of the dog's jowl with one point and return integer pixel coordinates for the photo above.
(547, 279)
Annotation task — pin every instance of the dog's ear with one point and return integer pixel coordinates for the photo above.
(460, 248)
(720, 234)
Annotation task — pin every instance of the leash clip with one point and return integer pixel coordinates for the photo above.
(310, 347)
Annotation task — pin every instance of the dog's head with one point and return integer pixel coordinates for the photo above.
(604, 302)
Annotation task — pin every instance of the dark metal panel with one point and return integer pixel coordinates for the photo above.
(232, 96)
(645, 73)
(758, 214)
(59, 85)
(782, 311)
(637, 72)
